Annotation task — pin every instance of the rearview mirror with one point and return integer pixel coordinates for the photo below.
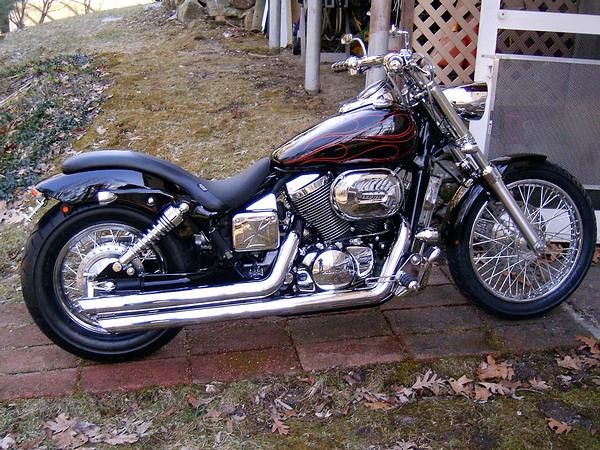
(349, 39)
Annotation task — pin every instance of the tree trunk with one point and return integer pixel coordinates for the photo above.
(5, 25)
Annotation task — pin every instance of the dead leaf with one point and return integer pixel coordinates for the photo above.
(596, 258)
(7, 442)
(496, 388)
(352, 378)
(279, 427)
(378, 406)
(538, 383)
(59, 424)
(404, 445)
(192, 400)
(101, 130)
(557, 426)
(590, 343)
(569, 362)
(211, 388)
(403, 394)
(212, 414)
(123, 438)
(461, 386)
(481, 393)
(69, 439)
(565, 380)
(430, 381)
(491, 370)
(590, 362)
(283, 405)
(142, 427)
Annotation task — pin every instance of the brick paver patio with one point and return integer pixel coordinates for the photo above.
(437, 322)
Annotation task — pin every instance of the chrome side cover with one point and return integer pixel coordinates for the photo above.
(257, 229)
(366, 194)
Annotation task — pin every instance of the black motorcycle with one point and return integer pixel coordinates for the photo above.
(351, 212)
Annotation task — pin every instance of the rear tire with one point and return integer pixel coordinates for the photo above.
(48, 296)
(493, 266)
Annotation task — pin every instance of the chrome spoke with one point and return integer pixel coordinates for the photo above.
(500, 256)
(85, 255)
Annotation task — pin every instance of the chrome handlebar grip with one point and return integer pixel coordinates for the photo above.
(355, 65)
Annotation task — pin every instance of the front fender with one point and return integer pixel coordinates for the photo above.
(466, 196)
(83, 187)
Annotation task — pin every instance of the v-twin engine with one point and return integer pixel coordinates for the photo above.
(356, 200)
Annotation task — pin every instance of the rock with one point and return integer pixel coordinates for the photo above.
(243, 4)
(172, 4)
(190, 10)
(224, 8)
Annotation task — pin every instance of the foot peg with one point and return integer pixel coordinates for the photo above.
(408, 281)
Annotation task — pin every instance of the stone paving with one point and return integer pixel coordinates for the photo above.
(437, 322)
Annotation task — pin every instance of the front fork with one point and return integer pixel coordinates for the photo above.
(465, 147)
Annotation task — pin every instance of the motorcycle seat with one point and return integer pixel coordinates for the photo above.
(215, 195)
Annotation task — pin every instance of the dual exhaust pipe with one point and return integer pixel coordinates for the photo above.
(177, 308)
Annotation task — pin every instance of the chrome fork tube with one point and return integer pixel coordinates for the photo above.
(490, 174)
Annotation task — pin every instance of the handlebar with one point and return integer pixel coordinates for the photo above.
(357, 64)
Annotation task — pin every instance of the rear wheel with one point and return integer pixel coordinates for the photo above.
(492, 263)
(62, 258)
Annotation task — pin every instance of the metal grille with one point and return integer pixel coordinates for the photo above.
(447, 31)
(549, 107)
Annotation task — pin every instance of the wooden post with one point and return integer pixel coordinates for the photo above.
(407, 17)
(381, 12)
(313, 46)
(274, 26)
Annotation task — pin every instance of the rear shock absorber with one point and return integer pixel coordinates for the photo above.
(169, 219)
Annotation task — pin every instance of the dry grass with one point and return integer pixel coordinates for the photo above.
(205, 97)
(238, 415)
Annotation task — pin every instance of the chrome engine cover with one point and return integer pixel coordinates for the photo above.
(333, 269)
(366, 194)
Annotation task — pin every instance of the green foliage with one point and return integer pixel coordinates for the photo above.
(38, 124)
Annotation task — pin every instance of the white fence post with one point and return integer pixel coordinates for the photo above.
(313, 46)
(274, 26)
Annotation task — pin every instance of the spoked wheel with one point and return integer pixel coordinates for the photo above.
(494, 265)
(62, 260)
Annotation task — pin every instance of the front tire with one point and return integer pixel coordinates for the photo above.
(60, 254)
(491, 262)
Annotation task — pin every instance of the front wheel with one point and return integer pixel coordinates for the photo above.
(61, 259)
(492, 263)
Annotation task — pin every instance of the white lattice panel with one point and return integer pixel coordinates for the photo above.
(447, 31)
(538, 43)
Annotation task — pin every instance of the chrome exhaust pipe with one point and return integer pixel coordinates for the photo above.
(128, 321)
(201, 296)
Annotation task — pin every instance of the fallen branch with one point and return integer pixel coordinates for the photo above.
(15, 94)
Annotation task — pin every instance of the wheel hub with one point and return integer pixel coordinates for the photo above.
(95, 262)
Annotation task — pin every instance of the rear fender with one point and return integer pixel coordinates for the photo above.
(466, 196)
(83, 187)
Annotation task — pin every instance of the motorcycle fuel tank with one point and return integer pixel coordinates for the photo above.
(364, 135)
